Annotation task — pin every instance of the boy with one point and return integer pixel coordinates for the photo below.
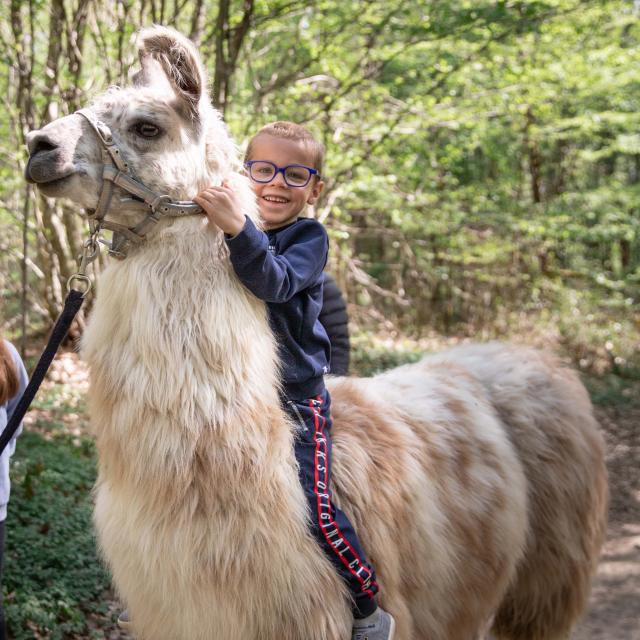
(283, 266)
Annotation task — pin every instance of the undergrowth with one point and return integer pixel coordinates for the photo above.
(53, 577)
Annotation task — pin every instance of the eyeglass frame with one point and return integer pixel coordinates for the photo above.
(312, 172)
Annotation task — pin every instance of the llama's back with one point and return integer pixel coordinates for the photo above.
(436, 491)
(495, 414)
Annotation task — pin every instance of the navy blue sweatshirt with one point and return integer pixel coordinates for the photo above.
(284, 268)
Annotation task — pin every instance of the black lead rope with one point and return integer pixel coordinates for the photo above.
(71, 307)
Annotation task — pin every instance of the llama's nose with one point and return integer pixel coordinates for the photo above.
(46, 159)
(38, 141)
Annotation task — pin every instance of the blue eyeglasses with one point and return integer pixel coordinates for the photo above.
(295, 175)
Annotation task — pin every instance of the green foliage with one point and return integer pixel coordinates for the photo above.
(483, 160)
(53, 577)
(612, 391)
(370, 356)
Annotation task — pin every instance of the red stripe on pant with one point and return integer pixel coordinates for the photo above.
(325, 508)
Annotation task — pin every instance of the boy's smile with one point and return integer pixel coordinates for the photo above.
(279, 203)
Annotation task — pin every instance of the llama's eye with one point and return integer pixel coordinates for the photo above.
(146, 130)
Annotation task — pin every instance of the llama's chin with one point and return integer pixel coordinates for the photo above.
(74, 186)
(55, 188)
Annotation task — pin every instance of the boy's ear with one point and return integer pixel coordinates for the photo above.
(316, 190)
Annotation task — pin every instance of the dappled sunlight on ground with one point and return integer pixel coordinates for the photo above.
(614, 612)
(59, 405)
(615, 600)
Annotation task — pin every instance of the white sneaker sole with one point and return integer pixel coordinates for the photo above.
(392, 628)
(125, 626)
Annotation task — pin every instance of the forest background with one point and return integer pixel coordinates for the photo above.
(483, 163)
(483, 181)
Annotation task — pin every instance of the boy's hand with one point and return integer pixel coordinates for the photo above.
(222, 208)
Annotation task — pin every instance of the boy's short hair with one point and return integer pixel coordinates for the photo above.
(292, 131)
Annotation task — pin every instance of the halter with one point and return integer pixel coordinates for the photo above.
(115, 171)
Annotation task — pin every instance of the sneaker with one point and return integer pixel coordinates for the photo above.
(380, 625)
(124, 622)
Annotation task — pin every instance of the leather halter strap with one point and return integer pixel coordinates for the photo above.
(116, 171)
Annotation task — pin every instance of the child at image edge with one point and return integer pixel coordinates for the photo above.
(283, 266)
(13, 382)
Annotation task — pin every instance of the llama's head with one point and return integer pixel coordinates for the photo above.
(172, 139)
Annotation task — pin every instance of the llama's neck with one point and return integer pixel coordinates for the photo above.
(181, 353)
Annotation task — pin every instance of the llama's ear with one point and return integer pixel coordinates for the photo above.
(179, 60)
(151, 73)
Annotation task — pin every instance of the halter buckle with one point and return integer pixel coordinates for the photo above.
(104, 132)
(159, 201)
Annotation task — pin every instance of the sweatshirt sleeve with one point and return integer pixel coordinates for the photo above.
(277, 278)
(13, 402)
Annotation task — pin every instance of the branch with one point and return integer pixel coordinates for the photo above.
(56, 18)
(439, 80)
(24, 66)
(76, 30)
(197, 22)
(228, 45)
(240, 32)
(363, 278)
(100, 42)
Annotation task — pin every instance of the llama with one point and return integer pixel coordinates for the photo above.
(479, 491)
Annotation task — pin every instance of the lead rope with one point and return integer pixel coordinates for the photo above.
(78, 286)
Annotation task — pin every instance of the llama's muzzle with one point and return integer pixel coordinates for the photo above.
(46, 162)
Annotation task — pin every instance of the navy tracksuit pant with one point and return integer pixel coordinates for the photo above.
(330, 526)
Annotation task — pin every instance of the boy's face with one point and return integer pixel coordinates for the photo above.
(279, 203)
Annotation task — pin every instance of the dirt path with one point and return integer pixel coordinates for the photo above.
(614, 612)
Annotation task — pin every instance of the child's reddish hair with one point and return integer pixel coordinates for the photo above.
(9, 382)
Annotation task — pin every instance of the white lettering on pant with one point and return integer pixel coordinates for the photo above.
(333, 536)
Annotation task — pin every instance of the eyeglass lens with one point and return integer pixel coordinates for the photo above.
(294, 176)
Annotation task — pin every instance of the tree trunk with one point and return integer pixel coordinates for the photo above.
(228, 42)
(533, 155)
